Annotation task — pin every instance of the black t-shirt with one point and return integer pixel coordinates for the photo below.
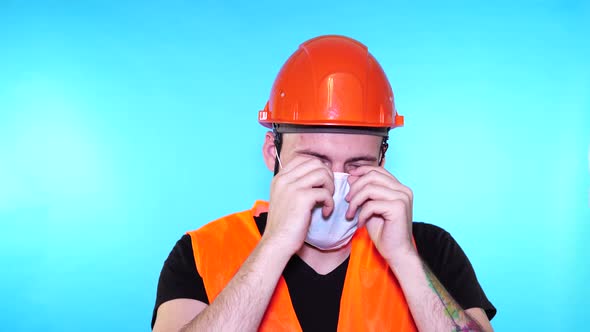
(316, 297)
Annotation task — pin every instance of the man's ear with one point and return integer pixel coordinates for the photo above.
(269, 150)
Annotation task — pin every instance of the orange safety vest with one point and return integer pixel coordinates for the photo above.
(372, 299)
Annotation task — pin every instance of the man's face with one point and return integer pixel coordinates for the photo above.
(340, 152)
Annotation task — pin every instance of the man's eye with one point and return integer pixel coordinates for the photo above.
(354, 166)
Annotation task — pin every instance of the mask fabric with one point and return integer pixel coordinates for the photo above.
(335, 231)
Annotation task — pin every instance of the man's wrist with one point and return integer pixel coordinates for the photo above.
(280, 248)
(404, 259)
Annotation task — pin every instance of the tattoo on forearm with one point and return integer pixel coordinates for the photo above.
(461, 321)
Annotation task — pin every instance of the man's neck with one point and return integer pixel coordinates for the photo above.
(323, 262)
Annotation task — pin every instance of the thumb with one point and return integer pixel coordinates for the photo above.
(374, 227)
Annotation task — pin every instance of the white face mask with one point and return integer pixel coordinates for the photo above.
(335, 231)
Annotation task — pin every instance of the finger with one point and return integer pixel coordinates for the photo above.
(369, 210)
(294, 163)
(365, 170)
(362, 170)
(290, 175)
(374, 176)
(374, 209)
(327, 210)
(375, 192)
(300, 162)
(317, 178)
(304, 167)
(387, 210)
(321, 196)
(352, 179)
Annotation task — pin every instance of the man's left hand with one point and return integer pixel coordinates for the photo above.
(385, 209)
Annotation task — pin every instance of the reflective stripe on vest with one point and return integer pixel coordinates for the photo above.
(372, 299)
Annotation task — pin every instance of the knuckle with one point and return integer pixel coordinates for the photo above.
(279, 180)
(316, 162)
(369, 205)
(398, 204)
(275, 181)
(371, 187)
(410, 193)
(355, 198)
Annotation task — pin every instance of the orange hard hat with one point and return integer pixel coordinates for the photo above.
(331, 81)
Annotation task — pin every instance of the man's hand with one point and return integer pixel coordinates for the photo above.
(301, 185)
(386, 210)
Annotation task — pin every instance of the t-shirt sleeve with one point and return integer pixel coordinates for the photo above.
(179, 278)
(451, 266)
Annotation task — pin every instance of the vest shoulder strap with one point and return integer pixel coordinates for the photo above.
(222, 246)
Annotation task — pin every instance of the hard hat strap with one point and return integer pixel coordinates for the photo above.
(278, 140)
(278, 144)
(285, 128)
(384, 147)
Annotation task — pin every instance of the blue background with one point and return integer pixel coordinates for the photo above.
(125, 124)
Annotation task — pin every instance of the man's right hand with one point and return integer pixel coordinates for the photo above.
(294, 192)
(301, 185)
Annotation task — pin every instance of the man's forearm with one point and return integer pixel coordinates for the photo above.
(243, 302)
(432, 307)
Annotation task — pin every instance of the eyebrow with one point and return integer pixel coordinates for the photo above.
(324, 157)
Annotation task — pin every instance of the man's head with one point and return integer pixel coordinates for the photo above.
(330, 99)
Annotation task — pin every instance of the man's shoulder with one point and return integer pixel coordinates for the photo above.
(431, 240)
(227, 221)
(429, 231)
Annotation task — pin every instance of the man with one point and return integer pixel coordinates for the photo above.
(335, 248)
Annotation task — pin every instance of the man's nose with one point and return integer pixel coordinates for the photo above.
(338, 168)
